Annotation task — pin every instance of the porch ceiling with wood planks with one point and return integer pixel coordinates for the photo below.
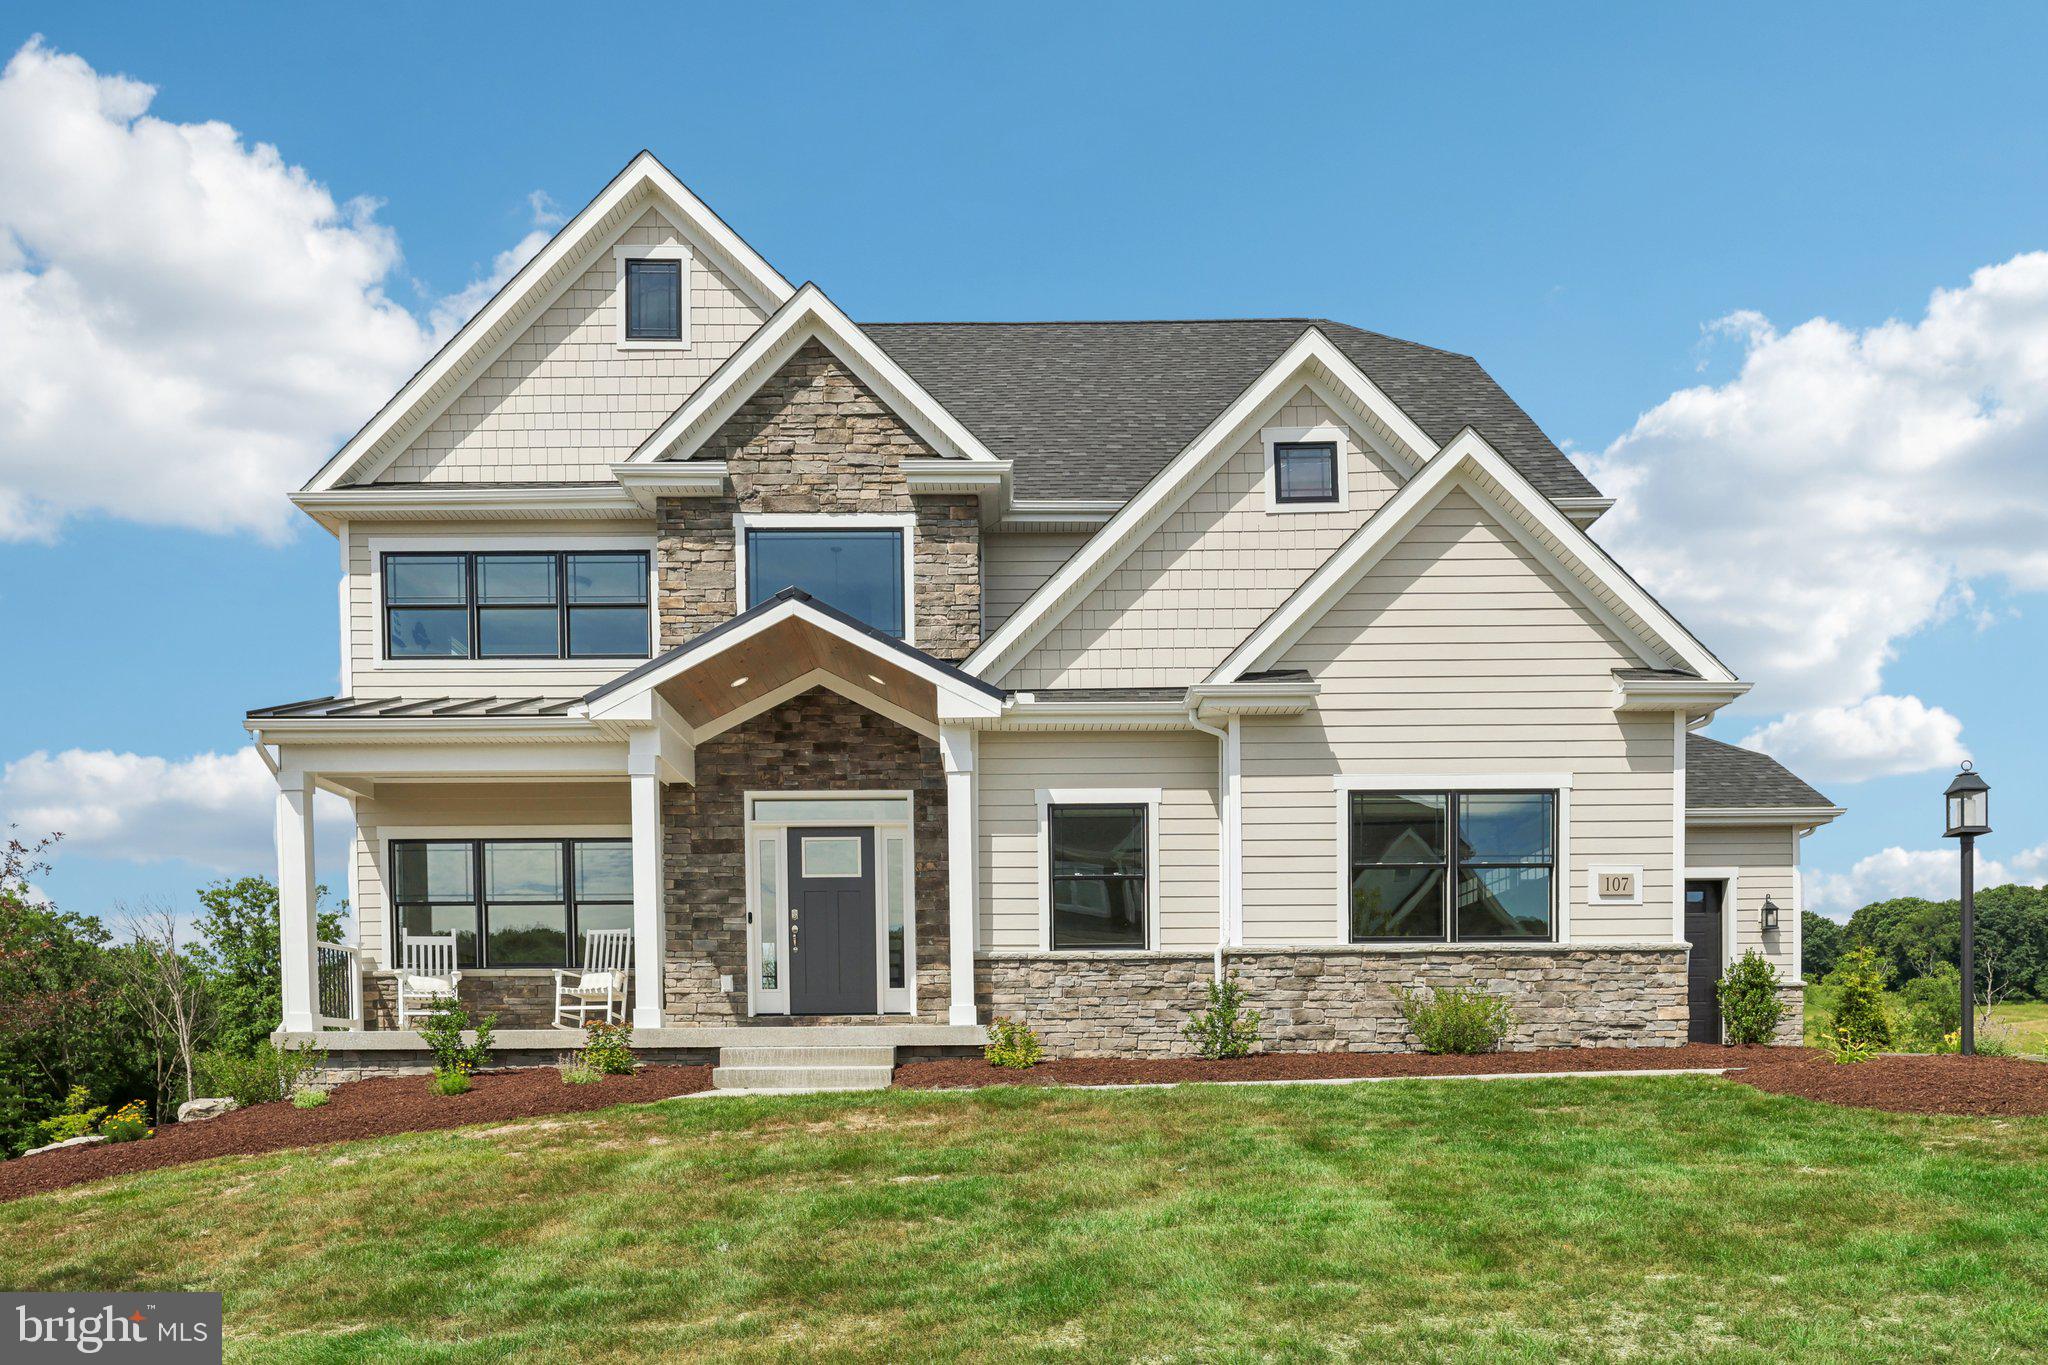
(733, 681)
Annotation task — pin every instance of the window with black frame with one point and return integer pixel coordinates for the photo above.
(856, 570)
(1097, 875)
(1305, 472)
(513, 902)
(516, 604)
(654, 300)
(1452, 867)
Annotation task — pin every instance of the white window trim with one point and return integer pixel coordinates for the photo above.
(1048, 797)
(379, 546)
(1593, 874)
(906, 522)
(673, 251)
(893, 1000)
(1274, 437)
(1459, 783)
(379, 838)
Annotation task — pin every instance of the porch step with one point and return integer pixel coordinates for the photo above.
(797, 1078)
(806, 1054)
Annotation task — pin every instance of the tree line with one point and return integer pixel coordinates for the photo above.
(1916, 938)
(133, 1014)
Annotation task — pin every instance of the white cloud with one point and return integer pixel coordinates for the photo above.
(1934, 874)
(1845, 489)
(1877, 737)
(189, 324)
(216, 810)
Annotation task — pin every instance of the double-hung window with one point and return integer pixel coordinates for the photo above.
(513, 902)
(860, 571)
(1097, 874)
(1452, 866)
(575, 604)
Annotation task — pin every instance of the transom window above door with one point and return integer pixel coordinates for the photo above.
(858, 570)
(541, 604)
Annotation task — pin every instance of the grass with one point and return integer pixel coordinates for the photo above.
(1520, 1220)
(2026, 1022)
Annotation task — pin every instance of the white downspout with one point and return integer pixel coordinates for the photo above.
(1226, 810)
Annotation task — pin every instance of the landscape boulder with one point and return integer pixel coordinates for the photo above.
(193, 1111)
(86, 1141)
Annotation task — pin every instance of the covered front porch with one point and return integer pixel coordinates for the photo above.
(780, 813)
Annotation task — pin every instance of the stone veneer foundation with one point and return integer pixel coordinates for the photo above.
(1339, 998)
(520, 999)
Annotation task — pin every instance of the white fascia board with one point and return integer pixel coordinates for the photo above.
(1694, 696)
(1253, 699)
(643, 179)
(644, 483)
(1312, 355)
(1583, 509)
(807, 315)
(332, 507)
(403, 730)
(1805, 817)
(1468, 453)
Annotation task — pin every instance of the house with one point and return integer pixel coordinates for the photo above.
(898, 676)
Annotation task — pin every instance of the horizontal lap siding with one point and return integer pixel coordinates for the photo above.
(1767, 858)
(1205, 579)
(1011, 769)
(532, 808)
(1016, 564)
(1456, 652)
(563, 401)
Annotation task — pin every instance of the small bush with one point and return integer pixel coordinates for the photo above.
(129, 1123)
(1226, 1028)
(1846, 1046)
(1859, 1014)
(1749, 999)
(1992, 1042)
(308, 1097)
(1933, 1007)
(454, 1081)
(442, 1033)
(76, 1119)
(1012, 1044)
(579, 1074)
(1458, 1019)
(264, 1076)
(607, 1049)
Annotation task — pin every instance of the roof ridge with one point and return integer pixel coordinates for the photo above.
(1351, 327)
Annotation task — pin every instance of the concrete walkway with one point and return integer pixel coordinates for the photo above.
(1306, 1080)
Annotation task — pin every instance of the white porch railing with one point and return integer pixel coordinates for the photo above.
(340, 986)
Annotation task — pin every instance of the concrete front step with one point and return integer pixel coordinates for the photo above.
(801, 1077)
(804, 1055)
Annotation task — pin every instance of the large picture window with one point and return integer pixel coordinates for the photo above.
(1453, 867)
(536, 604)
(513, 902)
(1097, 875)
(860, 572)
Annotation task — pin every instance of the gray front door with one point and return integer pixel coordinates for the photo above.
(1703, 968)
(832, 921)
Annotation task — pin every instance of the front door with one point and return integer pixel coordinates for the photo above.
(832, 921)
(1703, 968)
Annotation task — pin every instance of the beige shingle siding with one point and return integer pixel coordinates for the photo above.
(1012, 768)
(564, 401)
(1457, 652)
(460, 678)
(1767, 857)
(542, 809)
(1206, 578)
(1016, 564)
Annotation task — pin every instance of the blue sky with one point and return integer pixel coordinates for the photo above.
(1578, 197)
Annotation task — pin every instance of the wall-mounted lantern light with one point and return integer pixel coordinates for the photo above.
(1770, 915)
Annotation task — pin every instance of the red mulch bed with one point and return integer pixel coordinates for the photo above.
(359, 1109)
(1914, 1085)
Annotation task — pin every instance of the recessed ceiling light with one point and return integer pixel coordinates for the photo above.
(742, 680)
(876, 681)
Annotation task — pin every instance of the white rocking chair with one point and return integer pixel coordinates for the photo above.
(598, 987)
(426, 973)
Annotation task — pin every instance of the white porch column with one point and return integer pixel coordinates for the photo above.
(957, 746)
(295, 930)
(647, 917)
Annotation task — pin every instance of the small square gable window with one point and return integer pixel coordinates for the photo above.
(654, 300)
(1305, 472)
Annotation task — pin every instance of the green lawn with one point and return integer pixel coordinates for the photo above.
(2026, 1022)
(1581, 1219)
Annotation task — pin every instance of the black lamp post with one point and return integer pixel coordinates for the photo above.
(1969, 815)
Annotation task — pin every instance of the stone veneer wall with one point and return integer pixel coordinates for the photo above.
(815, 439)
(519, 999)
(1792, 1027)
(1340, 998)
(816, 742)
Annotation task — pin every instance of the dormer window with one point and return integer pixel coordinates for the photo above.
(1305, 469)
(653, 297)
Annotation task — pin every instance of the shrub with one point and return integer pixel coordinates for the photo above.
(1933, 1008)
(1460, 1019)
(1991, 1042)
(442, 1033)
(1847, 1046)
(308, 1097)
(129, 1123)
(453, 1081)
(1859, 980)
(607, 1049)
(1226, 1028)
(75, 1119)
(579, 1074)
(1012, 1044)
(1749, 999)
(266, 1075)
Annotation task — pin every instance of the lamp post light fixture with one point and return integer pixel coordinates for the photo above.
(1969, 815)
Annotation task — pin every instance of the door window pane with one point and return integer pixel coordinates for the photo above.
(768, 869)
(831, 857)
(654, 300)
(857, 572)
(1097, 876)
(897, 874)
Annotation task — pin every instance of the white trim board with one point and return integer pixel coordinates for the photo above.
(1269, 474)
(669, 252)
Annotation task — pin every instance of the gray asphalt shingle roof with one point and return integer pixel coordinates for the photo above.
(1721, 776)
(1095, 409)
(416, 708)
